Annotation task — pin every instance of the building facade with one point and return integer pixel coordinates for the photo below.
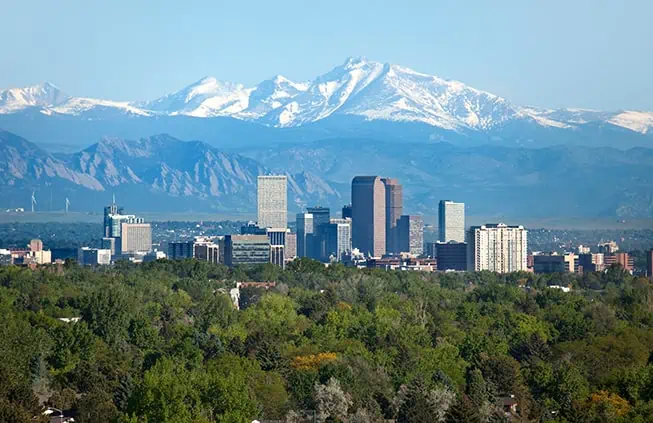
(590, 262)
(135, 238)
(346, 211)
(180, 250)
(94, 256)
(338, 239)
(321, 219)
(622, 259)
(498, 248)
(368, 215)
(394, 209)
(304, 223)
(451, 221)
(410, 231)
(272, 201)
(246, 249)
(554, 263)
(291, 246)
(451, 256)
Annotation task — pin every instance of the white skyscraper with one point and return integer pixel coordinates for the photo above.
(497, 248)
(451, 221)
(272, 204)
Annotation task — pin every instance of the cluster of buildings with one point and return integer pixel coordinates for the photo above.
(124, 237)
(33, 255)
(586, 259)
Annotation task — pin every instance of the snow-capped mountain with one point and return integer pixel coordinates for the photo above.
(359, 88)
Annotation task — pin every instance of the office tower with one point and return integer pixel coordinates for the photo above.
(180, 250)
(94, 256)
(304, 223)
(394, 208)
(321, 218)
(291, 246)
(277, 237)
(272, 202)
(135, 238)
(497, 248)
(590, 263)
(246, 249)
(368, 215)
(410, 232)
(36, 245)
(346, 211)
(649, 264)
(451, 256)
(451, 221)
(109, 210)
(338, 239)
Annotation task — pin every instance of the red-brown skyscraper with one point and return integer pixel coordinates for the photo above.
(368, 196)
(394, 208)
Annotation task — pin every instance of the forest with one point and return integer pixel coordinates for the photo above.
(163, 342)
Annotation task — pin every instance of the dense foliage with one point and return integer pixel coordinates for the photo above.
(161, 342)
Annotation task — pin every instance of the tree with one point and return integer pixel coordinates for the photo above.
(416, 403)
(332, 402)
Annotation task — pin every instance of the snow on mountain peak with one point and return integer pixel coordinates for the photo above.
(44, 95)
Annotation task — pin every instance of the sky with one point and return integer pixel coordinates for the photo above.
(554, 53)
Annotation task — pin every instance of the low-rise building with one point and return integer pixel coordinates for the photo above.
(451, 256)
(93, 256)
(246, 249)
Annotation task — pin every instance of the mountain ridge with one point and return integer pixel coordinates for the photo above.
(371, 90)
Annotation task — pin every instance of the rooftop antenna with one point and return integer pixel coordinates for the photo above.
(33, 200)
(114, 198)
(67, 204)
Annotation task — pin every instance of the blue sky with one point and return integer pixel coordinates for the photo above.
(554, 53)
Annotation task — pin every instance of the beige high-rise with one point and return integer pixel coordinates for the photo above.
(135, 238)
(368, 194)
(272, 201)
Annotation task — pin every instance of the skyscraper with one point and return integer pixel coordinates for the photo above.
(338, 238)
(321, 218)
(304, 223)
(109, 210)
(272, 201)
(135, 238)
(410, 232)
(346, 211)
(451, 221)
(394, 208)
(497, 248)
(368, 215)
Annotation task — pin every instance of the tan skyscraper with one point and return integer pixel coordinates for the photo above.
(394, 208)
(368, 215)
(272, 204)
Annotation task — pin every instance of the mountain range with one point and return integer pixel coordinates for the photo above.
(357, 98)
(162, 173)
(441, 138)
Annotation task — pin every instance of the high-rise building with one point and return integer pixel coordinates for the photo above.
(497, 248)
(338, 239)
(451, 221)
(135, 238)
(252, 229)
(410, 231)
(291, 246)
(304, 223)
(108, 211)
(368, 215)
(394, 208)
(321, 218)
(272, 205)
(649, 264)
(451, 256)
(116, 221)
(246, 249)
(346, 211)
